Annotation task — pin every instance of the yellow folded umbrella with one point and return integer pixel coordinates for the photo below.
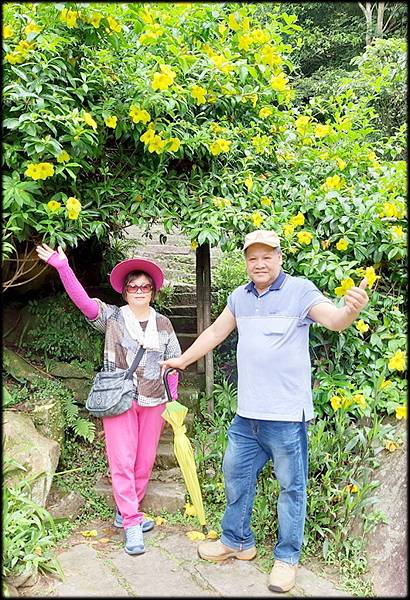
(175, 413)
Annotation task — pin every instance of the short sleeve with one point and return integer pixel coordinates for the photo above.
(105, 311)
(231, 303)
(310, 296)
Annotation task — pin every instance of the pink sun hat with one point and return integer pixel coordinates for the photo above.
(120, 271)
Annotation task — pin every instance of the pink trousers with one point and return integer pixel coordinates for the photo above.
(131, 441)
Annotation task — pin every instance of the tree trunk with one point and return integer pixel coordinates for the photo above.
(203, 291)
(368, 13)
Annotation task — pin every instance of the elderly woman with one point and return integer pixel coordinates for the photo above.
(131, 438)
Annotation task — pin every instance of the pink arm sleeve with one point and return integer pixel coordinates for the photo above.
(173, 385)
(73, 287)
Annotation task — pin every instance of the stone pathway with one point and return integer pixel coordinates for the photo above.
(170, 567)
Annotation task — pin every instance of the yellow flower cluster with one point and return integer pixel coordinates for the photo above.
(163, 79)
(261, 143)
(39, 170)
(32, 27)
(94, 20)
(220, 145)
(297, 220)
(370, 275)
(302, 123)
(279, 83)
(155, 143)
(396, 232)
(392, 211)
(346, 284)
(73, 208)
(268, 56)
(397, 362)
(342, 401)
(19, 54)
(151, 34)
(322, 130)
(221, 62)
(113, 25)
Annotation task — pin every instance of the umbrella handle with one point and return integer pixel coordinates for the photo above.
(165, 376)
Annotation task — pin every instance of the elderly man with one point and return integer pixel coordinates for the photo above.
(272, 313)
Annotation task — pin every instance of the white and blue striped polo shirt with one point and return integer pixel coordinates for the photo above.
(274, 369)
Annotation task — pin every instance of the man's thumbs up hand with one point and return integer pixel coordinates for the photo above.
(356, 298)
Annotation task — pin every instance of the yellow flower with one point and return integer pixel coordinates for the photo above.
(265, 201)
(113, 24)
(234, 21)
(53, 205)
(359, 400)
(362, 326)
(195, 536)
(390, 446)
(89, 120)
(156, 144)
(73, 215)
(336, 402)
(372, 155)
(370, 274)
(401, 412)
(160, 521)
(397, 362)
(63, 157)
(322, 130)
(244, 42)
(342, 244)
(302, 123)
(138, 198)
(288, 229)
(249, 183)
(190, 510)
(279, 82)
(351, 488)
(148, 136)
(32, 28)
(162, 80)
(222, 63)
(139, 115)
(304, 237)
(95, 19)
(222, 28)
(346, 285)
(325, 244)
(390, 210)
(89, 533)
(215, 127)
(212, 534)
(15, 58)
(175, 144)
(7, 31)
(257, 219)
(340, 163)
(269, 56)
(220, 145)
(260, 36)
(39, 170)
(261, 143)
(73, 204)
(297, 220)
(385, 384)
(111, 121)
(69, 17)
(194, 245)
(145, 16)
(333, 183)
(396, 231)
(265, 112)
(198, 93)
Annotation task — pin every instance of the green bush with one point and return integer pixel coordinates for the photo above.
(62, 333)
(27, 532)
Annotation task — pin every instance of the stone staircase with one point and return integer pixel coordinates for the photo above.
(166, 489)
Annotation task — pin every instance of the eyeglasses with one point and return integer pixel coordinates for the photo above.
(132, 288)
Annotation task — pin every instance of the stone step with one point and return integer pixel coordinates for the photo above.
(183, 310)
(186, 340)
(183, 323)
(160, 495)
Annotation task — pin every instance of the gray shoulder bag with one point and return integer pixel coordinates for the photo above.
(112, 391)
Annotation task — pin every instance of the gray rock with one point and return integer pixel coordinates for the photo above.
(19, 368)
(67, 505)
(47, 415)
(27, 578)
(38, 454)
(68, 371)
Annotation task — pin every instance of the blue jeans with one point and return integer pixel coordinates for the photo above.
(251, 443)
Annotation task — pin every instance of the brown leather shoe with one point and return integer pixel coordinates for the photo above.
(282, 577)
(217, 552)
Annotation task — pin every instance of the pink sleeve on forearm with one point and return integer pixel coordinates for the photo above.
(75, 290)
(173, 385)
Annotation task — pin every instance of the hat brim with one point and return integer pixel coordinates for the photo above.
(271, 244)
(120, 271)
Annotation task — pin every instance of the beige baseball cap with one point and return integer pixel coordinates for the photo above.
(262, 236)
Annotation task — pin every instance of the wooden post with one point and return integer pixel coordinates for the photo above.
(203, 291)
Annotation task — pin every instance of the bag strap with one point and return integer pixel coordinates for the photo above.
(135, 362)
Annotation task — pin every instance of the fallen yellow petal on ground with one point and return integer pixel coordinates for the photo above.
(89, 533)
(195, 535)
(212, 535)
